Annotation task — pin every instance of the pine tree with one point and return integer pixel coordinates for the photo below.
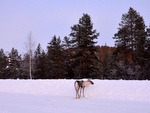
(3, 64)
(146, 58)
(37, 55)
(56, 67)
(131, 36)
(39, 63)
(66, 42)
(13, 64)
(83, 44)
(67, 56)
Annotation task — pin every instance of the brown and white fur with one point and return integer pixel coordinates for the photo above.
(80, 85)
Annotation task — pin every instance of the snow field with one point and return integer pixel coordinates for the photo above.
(58, 96)
(104, 89)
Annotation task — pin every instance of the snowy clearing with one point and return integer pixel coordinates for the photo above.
(58, 96)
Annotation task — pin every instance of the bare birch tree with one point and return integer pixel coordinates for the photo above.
(30, 48)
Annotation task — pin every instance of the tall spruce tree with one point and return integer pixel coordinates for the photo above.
(13, 64)
(3, 64)
(146, 58)
(131, 36)
(66, 43)
(39, 63)
(83, 43)
(56, 67)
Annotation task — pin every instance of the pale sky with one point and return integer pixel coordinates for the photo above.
(46, 18)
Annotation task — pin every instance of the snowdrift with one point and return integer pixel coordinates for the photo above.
(102, 89)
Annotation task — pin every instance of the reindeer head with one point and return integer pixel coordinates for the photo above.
(90, 81)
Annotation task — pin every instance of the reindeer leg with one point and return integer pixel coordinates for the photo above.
(76, 94)
(80, 92)
(83, 92)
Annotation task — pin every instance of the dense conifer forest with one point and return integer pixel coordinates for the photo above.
(77, 55)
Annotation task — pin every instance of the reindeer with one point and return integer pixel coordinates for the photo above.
(80, 85)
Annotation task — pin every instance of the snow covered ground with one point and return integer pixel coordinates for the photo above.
(58, 96)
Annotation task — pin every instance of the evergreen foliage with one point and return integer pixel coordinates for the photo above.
(56, 67)
(131, 39)
(24, 67)
(83, 44)
(13, 65)
(3, 64)
(39, 63)
(77, 56)
(131, 36)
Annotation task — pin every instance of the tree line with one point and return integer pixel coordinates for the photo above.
(77, 56)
